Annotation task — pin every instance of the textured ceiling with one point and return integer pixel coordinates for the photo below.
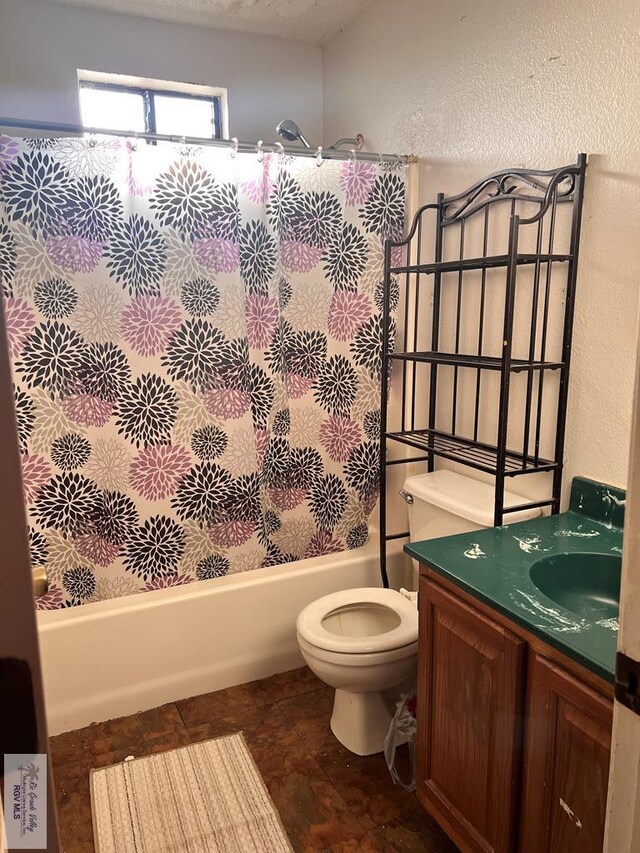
(311, 21)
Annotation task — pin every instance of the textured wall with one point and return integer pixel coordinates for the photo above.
(42, 45)
(471, 87)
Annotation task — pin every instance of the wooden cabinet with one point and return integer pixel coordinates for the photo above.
(470, 694)
(566, 762)
(513, 738)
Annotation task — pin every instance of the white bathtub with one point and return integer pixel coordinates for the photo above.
(117, 657)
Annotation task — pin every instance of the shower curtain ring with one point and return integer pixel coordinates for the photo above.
(319, 156)
(235, 146)
(280, 148)
(260, 151)
(354, 157)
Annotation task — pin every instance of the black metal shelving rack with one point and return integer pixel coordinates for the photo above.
(543, 209)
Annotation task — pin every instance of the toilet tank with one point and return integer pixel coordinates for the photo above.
(443, 503)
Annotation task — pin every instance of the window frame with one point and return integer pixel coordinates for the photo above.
(148, 94)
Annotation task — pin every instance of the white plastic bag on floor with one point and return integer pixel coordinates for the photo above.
(402, 730)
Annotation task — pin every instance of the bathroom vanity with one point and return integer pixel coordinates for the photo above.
(517, 643)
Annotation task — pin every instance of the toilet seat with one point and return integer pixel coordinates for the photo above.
(405, 633)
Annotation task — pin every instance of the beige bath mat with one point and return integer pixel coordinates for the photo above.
(205, 797)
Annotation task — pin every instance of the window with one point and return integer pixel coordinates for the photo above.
(150, 109)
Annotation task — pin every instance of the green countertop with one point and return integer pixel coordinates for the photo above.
(493, 566)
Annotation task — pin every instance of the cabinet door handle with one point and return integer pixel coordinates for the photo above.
(40, 581)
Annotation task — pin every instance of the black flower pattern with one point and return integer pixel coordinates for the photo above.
(25, 417)
(271, 523)
(284, 205)
(70, 451)
(282, 422)
(224, 219)
(38, 547)
(137, 255)
(79, 583)
(36, 191)
(154, 549)
(305, 465)
(336, 386)
(66, 502)
(113, 519)
(391, 295)
(51, 358)
(305, 353)
(208, 442)
(146, 410)
(318, 219)
(55, 298)
(362, 469)
(8, 258)
(215, 566)
(358, 536)
(103, 372)
(194, 354)
(94, 208)
(183, 198)
(367, 346)
(284, 293)
(262, 395)
(203, 494)
(275, 465)
(346, 258)
(243, 502)
(200, 297)
(257, 256)
(371, 423)
(383, 212)
(327, 499)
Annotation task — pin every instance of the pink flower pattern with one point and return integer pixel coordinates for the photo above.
(356, 181)
(20, 322)
(298, 386)
(148, 322)
(217, 254)
(231, 534)
(75, 254)
(323, 543)
(157, 470)
(262, 319)
(53, 599)
(35, 474)
(227, 402)
(8, 150)
(349, 311)
(339, 436)
(177, 579)
(95, 548)
(300, 257)
(285, 499)
(87, 410)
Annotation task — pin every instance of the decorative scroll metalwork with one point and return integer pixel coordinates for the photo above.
(512, 184)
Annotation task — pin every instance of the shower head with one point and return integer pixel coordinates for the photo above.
(290, 132)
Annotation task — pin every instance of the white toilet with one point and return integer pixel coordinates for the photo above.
(364, 641)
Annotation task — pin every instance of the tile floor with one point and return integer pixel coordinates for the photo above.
(328, 798)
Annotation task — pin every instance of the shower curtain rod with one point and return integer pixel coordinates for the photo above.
(234, 144)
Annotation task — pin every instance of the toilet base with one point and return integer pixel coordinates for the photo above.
(360, 721)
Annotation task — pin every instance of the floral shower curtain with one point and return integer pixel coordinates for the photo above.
(196, 351)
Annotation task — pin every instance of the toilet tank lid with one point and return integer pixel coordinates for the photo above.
(465, 497)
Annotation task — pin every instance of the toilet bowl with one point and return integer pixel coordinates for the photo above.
(364, 642)
(360, 642)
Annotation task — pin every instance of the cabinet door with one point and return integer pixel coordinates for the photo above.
(470, 695)
(566, 763)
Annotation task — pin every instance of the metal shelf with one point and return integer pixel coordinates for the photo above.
(491, 262)
(482, 362)
(473, 454)
(454, 304)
